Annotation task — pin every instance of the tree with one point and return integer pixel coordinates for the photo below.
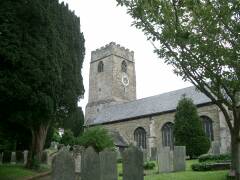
(41, 55)
(200, 39)
(188, 130)
(75, 122)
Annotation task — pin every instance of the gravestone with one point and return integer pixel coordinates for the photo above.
(90, 164)
(179, 156)
(63, 166)
(153, 154)
(215, 148)
(165, 160)
(77, 155)
(108, 165)
(133, 164)
(7, 155)
(13, 158)
(54, 145)
(25, 156)
(19, 157)
(1, 157)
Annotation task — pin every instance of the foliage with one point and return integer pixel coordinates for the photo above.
(210, 166)
(96, 137)
(75, 122)
(188, 129)
(41, 55)
(215, 158)
(200, 40)
(68, 138)
(149, 165)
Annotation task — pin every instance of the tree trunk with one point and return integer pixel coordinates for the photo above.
(235, 156)
(38, 140)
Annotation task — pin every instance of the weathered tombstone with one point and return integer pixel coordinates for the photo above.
(13, 158)
(179, 155)
(63, 166)
(54, 145)
(90, 165)
(133, 164)
(77, 155)
(108, 165)
(25, 156)
(153, 154)
(165, 160)
(19, 157)
(215, 148)
(1, 157)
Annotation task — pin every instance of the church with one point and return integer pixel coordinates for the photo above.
(146, 122)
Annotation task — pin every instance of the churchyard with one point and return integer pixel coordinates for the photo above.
(91, 165)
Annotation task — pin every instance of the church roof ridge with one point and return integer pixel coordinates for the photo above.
(160, 103)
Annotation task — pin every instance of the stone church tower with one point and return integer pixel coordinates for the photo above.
(112, 79)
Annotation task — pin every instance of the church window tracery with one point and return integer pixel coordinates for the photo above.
(140, 137)
(167, 135)
(100, 66)
(208, 127)
(124, 66)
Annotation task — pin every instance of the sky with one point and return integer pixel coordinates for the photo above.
(102, 22)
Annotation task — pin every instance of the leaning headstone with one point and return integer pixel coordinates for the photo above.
(165, 160)
(25, 156)
(13, 158)
(133, 164)
(1, 157)
(108, 165)
(179, 155)
(63, 166)
(153, 154)
(90, 163)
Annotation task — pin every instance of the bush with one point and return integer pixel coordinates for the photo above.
(7, 156)
(119, 160)
(149, 165)
(210, 166)
(96, 137)
(216, 158)
(68, 138)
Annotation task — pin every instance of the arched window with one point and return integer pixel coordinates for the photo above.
(100, 66)
(167, 135)
(140, 137)
(124, 66)
(208, 127)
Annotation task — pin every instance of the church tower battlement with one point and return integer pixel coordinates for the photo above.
(112, 78)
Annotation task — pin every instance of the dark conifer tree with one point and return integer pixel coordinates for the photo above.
(188, 130)
(41, 55)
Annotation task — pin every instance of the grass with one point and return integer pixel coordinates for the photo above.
(17, 172)
(185, 175)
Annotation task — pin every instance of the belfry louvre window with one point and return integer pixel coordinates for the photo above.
(140, 137)
(167, 135)
(100, 66)
(124, 66)
(207, 124)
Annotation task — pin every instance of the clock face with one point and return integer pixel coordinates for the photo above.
(125, 79)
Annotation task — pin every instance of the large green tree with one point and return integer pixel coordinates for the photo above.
(201, 40)
(188, 129)
(41, 55)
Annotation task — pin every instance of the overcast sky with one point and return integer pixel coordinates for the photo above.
(102, 22)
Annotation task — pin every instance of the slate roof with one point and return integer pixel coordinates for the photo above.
(148, 106)
(118, 140)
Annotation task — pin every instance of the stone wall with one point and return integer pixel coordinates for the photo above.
(155, 123)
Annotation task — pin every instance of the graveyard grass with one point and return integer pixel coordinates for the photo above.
(18, 172)
(186, 175)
